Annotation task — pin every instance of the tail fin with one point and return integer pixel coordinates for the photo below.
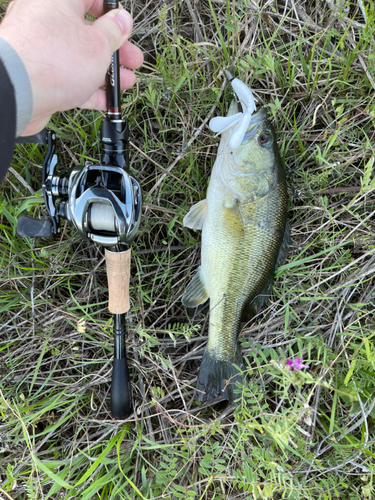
(218, 377)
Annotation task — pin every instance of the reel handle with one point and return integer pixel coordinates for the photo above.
(30, 227)
(118, 274)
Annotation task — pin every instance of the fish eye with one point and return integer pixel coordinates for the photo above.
(264, 139)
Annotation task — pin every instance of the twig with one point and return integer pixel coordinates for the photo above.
(195, 21)
(6, 494)
(21, 180)
(353, 189)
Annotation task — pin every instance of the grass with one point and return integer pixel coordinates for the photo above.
(293, 435)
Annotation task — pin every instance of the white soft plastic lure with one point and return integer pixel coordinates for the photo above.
(220, 124)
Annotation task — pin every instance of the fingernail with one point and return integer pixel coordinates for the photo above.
(125, 21)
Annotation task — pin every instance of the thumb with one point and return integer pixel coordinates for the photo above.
(116, 26)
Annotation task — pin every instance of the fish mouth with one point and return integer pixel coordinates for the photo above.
(256, 119)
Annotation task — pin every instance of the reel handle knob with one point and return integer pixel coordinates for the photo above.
(29, 227)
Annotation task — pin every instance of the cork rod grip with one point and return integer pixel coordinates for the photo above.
(118, 274)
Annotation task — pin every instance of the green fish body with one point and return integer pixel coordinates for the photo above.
(244, 235)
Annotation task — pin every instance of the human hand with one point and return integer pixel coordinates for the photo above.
(66, 56)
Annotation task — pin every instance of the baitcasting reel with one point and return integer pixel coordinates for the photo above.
(103, 202)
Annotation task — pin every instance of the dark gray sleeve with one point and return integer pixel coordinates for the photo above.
(7, 120)
(21, 84)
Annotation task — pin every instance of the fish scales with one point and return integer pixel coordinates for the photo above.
(243, 221)
(237, 258)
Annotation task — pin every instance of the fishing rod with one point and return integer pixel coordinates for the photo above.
(104, 204)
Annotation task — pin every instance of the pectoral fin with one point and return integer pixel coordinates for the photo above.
(195, 292)
(196, 215)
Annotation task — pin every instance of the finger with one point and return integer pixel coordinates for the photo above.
(95, 7)
(10, 7)
(127, 80)
(98, 101)
(130, 56)
(115, 27)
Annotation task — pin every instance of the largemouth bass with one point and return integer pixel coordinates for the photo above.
(244, 236)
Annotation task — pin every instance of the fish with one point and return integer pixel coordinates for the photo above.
(245, 236)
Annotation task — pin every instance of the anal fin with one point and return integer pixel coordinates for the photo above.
(195, 292)
(194, 219)
(284, 245)
(252, 308)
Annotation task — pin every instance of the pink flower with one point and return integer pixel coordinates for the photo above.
(296, 364)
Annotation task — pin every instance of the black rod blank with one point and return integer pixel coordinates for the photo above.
(113, 74)
(121, 395)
